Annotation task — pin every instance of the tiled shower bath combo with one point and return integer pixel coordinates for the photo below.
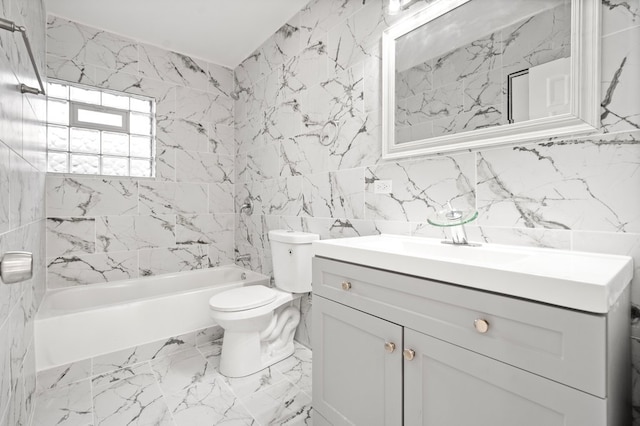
(295, 128)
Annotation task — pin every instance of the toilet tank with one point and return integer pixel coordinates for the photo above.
(291, 254)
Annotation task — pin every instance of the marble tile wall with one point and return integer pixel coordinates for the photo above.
(22, 210)
(307, 126)
(104, 229)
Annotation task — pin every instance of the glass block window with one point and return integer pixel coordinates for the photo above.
(99, 132)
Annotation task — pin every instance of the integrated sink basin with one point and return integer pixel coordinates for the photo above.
(578, 280)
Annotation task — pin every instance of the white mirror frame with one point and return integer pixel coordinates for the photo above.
(584, 115)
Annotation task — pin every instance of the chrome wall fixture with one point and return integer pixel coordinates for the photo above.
(247, 206)
(11, 26)
(16, 266)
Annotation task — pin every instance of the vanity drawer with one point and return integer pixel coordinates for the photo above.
(560, 344)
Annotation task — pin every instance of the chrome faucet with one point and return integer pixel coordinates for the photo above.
(247, 206)
(243, 258)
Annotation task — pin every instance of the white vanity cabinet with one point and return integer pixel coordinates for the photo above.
(393, 349)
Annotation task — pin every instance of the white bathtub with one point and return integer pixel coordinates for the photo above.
(77, 323)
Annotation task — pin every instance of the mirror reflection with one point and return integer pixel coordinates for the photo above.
(486, 63)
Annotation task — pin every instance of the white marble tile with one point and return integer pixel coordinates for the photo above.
(5, 366)
(194, 105)
(207, 336)
(70, 70)
(118, 360)
(5, 187)
(88, 45)
(128, 371)
(69, 235)
(34, 131)
(201, 167)
(212, 351)
(26, 192)
(304, 154)
(132, 400)
(221, 198)
(303, 331)
(282, 196)
(282, 45)
(244, 387)
(172, 259)
(263, 163)
(357, 142)
(205, 229)
(183, 134)
(178, 372)
(311, 65)
(66, 271)
(297, 368)
(165, 162)
(126, 233)
(222, 253)
(354, 39)
(64, 375)
(173, 67)
(619, 15)
(170, 197)
(221, 113)
(19, 411)
(206, 404)
(529, 237)
(620, 65)
(79, 196)
(572, 184)
(251, 238)
(67, 405)
(222, 139)
(420, 187)
(319, 16)
(281, 404)
(249, 71)
(334, 194)
(221, 79)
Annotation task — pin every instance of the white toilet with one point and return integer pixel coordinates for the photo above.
(259, 322)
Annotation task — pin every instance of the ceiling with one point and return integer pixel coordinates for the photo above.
(224, 32)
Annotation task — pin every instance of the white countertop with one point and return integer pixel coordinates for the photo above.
(585, 281)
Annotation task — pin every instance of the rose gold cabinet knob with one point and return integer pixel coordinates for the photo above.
(409, 354)
(346, 285)
(481, 326)
(389, 346)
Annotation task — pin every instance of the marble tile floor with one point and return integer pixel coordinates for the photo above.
(184, 389)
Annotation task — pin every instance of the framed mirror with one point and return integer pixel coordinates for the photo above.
(466, 74)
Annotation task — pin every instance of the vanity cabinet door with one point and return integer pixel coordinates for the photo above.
(357, 373)
(446, 385)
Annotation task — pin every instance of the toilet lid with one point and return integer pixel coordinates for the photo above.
(242, 298)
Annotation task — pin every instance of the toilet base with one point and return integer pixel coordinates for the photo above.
(247, 352)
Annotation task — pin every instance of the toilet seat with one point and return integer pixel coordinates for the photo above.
(243, 298)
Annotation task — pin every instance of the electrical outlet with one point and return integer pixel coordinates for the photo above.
(382, 187)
